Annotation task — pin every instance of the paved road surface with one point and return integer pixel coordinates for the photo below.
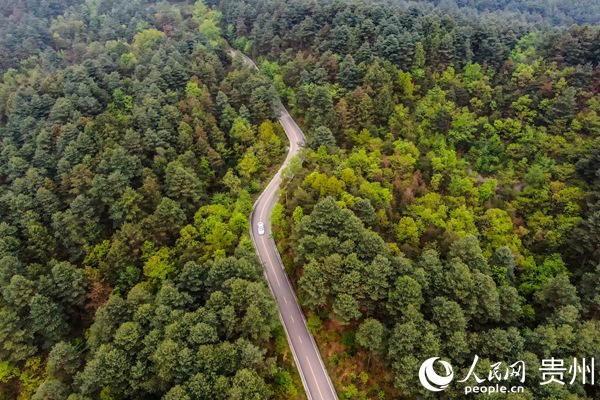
(306, 354)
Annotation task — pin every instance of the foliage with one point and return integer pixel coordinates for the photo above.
(448, 201)
(129, 144)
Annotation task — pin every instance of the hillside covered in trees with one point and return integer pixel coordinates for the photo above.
(448, 201)
(130, 149)
(547, 12)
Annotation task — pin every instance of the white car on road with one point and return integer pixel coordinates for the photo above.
(261, 228)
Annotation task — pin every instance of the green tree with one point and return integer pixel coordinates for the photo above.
(51, 390)
(449, 315)
(64, 361)
(370, 335)
(247, 384)
(322, 136)
(183, 186)
(365, 211)
(405, 292)
(349, 75)
(346, 308)
(321, 111)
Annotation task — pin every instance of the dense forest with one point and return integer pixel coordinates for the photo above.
(448, 203)
(130, 149)
(547, 12)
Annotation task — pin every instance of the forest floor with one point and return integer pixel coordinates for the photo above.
(351, 373)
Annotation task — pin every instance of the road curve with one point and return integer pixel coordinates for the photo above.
(314, 375)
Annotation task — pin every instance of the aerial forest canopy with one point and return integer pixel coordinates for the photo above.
(130, 149)
(448, 203)
(547, 12)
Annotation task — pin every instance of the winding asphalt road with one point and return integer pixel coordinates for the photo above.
(314, 375)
